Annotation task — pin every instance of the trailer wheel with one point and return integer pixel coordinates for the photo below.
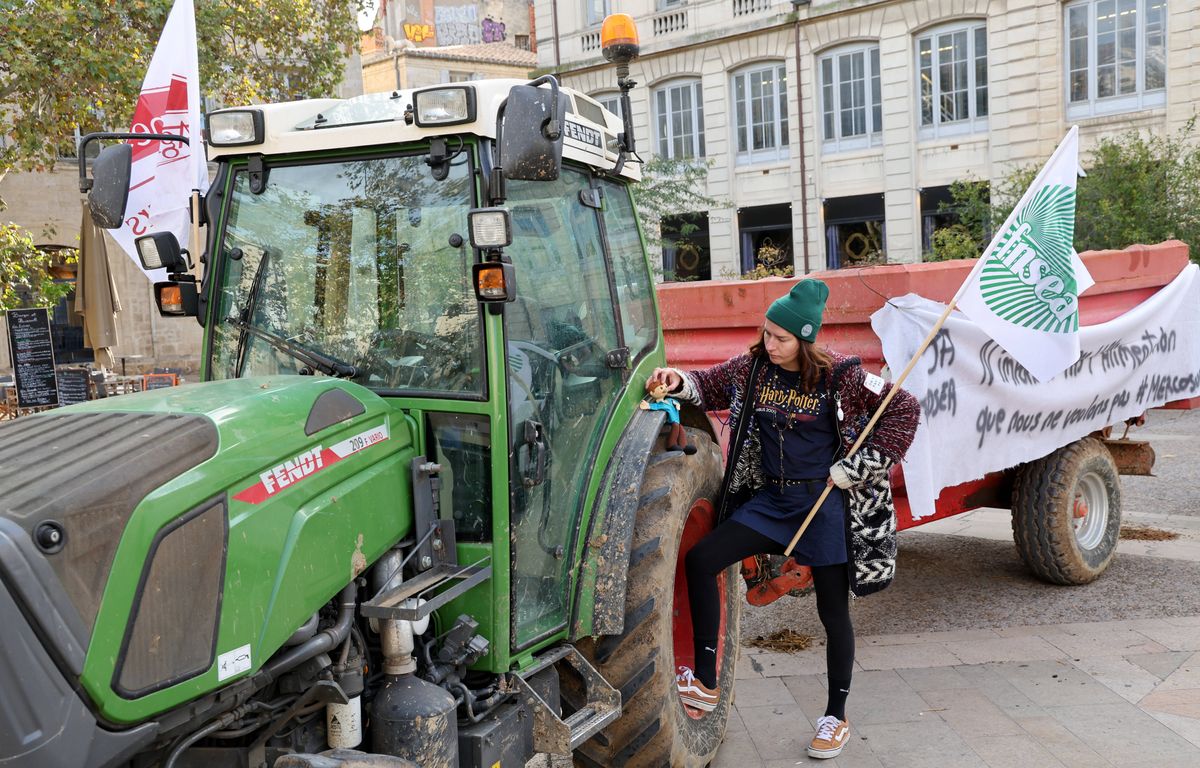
(655, 729)
(1067, 513)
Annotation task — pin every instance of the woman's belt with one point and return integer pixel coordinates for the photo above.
(805, 482)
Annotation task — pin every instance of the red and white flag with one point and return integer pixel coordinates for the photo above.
(165, 172)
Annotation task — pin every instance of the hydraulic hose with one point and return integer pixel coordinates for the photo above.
(323, 642)
(220, 723)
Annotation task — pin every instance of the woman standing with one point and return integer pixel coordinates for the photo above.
(796, 410)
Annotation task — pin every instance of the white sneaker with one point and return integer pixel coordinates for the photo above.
(695, 693)
(832, 735)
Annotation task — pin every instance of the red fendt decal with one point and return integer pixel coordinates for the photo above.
(307, 464)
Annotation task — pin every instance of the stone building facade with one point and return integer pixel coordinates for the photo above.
(835, 127)
(48, 206)
(418, 43)
(387, 68)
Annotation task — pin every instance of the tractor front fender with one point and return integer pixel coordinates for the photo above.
(600, 591)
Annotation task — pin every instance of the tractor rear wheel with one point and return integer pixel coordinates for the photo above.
(675, 510)
(1067, 513)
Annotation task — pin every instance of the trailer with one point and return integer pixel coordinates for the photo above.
(1066, 505)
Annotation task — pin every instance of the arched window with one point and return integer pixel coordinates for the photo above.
(679, 120)
(952, 79)
(851, 111)
(760, 103)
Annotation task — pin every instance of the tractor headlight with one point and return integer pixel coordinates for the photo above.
(235, 127)
(444, 106)
(490, 228)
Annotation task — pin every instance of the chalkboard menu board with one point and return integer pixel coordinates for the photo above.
(32, 357)
(72, 386)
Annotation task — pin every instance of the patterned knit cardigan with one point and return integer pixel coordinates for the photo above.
(871, 544)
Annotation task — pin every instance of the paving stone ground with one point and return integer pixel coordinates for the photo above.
(1113, 693)
(1123, 693)
(1006, 672)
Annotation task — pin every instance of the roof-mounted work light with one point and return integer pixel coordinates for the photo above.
(235, 128)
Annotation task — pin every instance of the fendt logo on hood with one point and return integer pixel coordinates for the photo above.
(292, 470)
(307, 464)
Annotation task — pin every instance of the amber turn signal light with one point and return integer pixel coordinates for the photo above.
(172, 299)
(495, 281)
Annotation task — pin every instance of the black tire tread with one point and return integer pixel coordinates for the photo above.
(1043, 496)
(632, 661)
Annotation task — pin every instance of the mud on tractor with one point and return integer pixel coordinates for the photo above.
(411, 515)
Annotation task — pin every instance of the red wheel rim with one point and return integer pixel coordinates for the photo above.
(700, 522)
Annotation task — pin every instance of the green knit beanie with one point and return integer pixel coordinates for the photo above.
(800, 310)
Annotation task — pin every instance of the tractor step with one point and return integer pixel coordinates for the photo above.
(562, 736)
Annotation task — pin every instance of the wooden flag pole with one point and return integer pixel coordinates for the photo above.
(195, 243)
(878, 412)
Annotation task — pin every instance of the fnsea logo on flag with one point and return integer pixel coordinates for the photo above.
(1029, 279)
(1024, 292)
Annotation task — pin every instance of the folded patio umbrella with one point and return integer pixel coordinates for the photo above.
(96, 293)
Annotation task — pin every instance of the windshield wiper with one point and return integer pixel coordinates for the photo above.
(248, 312)
(327, 365)
(330, 366)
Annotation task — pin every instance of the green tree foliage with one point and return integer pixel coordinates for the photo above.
(671, 188)
(24, 276)
(1138, 189)
(1141, 189)
(71, 64)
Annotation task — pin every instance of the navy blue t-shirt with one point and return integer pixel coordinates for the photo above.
(802, 424)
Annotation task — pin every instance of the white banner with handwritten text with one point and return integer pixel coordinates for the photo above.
(982, 412)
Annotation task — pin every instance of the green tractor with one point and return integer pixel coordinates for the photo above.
(412, 515)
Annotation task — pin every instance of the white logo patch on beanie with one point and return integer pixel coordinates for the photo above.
(806, 330)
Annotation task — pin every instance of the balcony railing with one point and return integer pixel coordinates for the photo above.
(590, 41)
(747, 7)
(668, 23)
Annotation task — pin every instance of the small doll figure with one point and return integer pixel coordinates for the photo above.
(657, 392)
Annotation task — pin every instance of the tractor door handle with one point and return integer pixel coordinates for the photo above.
(533, 469)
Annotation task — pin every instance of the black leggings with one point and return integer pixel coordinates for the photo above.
(732, 542)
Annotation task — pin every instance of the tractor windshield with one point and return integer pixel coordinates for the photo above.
(364, 262)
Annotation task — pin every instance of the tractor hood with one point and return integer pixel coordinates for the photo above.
(74, 479)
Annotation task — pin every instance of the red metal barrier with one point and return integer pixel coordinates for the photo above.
(707, 323)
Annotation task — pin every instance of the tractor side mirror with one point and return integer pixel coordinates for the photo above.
(110, 185)
(531, 138)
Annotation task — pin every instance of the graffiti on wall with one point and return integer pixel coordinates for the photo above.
(457, 25)
(493, 31)
(418, 33)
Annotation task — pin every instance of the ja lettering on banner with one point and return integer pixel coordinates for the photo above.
(982, 411)
(164, 173)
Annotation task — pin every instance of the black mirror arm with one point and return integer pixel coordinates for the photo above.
(85, 184)
(496, 192)
(551, 130)
(626, 84)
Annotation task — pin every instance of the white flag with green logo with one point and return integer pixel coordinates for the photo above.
(1024, 292)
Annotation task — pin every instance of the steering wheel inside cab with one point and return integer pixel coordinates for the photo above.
(402, 359)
